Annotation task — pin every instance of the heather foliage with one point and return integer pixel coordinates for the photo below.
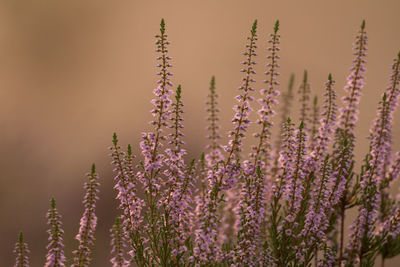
(283, 204)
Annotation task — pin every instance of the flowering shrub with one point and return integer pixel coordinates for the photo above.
(284, 204)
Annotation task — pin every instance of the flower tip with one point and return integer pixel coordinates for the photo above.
(398, 55)
(345, 142)
(363, 24)
(259, 173)
(305, 76)
(178, 92)
(53, 203)
(288, 120)
(254, 28)
(330, 77)
(315, 100)
(212, 83)
(276, 27)
(301, 125)
(129, 150)
(291, 82)
(115, 140)
(21, 237)
(162, 26)
(93, 168)
(384, 97)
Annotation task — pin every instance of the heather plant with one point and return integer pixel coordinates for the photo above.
(283, 204)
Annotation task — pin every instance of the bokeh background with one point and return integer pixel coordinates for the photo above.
(74, 72)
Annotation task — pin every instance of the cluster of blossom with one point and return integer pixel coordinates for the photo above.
(283, 204)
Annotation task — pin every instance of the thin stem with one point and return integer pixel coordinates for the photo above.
(342, 220)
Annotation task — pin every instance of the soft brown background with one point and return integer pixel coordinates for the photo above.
(73, 72)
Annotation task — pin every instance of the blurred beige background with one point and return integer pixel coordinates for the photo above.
(73, 72)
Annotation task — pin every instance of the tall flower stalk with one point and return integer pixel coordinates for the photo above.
(152, 142)
(85, 236)
(363, 228)
(118, 244)
(225, 175)
(287, 98)
(153, 162)
(305, 107)
(355, 82)
(316, 220)
(226, 227)
(177, 221)
(294, 195)
(55, 248)
(314, 123)
(253, 192)
(215, 155)
(130, 204)
(347, 120)
(22, 251)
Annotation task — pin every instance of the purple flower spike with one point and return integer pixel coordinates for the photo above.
(88, 221)
(314, 124)
(55, 255)
(294, 186)
(305, 109)
(118, 244)
(177, 202)
(355, 82)
(152, 142)
(392, 92)
(394, 171)
(251, 212)
(286, 98)
(373, 176)
(21, 250)
(327, 122)
(268, 101)
(225, 176)
(226, 227)
(316, 219)
(254, 189)
(130, 204)
(242, 110)
(215, 154)
(286, 160)
(348, 117)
